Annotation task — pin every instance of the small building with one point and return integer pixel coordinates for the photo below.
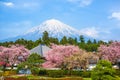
(41, 49)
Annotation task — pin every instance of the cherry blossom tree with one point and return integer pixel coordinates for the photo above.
(110, 52)
(14, 54)
(81, 59)
(67, 57)
(57, 54)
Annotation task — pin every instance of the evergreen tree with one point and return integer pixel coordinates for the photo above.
(64, 40)
(101, 42)
(71, 40)
(37, 42)
(35, 58)
(75, 41)
(45, 38)
(30, 44)
(89, 42)
(54, 40)
(94, 41)
(82, 42)
(82, 39)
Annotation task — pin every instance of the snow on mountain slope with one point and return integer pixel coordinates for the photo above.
(54, 27)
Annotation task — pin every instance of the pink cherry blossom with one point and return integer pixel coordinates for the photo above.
(11, 54)
(57, 54)
(110, 52)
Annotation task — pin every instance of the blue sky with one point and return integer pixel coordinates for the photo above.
(96, 18)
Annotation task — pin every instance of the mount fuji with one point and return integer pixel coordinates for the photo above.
(54, 27)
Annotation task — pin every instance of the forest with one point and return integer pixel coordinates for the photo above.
(89, 45)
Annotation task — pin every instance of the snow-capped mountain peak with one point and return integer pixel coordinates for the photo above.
(52, 21)
(55, 28)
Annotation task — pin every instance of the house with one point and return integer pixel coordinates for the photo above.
(41, 49)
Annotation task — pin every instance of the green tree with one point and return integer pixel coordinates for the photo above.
(82, 39)
(89, 42)
(101, 42)
(75, 41)
(37, 42)
(34, 60)
(94, 41)
(54, 40)
(71, 40)
(82, 43)
(64, 40)
(29, 44)
(45, 38)
(103, 71)
(21, 41)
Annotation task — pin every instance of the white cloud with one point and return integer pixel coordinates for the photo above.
(81, 3)
(97, 33)
(21, 5)
(115, 15)
(92, 32)
(8, 4)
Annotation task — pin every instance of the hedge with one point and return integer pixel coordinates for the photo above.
(61, 73)
(117, 72)
(25, 78)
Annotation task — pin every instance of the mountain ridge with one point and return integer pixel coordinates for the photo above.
(54, 27)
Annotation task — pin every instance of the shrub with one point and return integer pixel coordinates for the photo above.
(117, 72)
(13, 72)
(19, 78)
(86, 74)
(117, 78)
(61, 73)
(1, 73)
(9, 78)
(8, 73)
(81, 73)
(103, 71)
(55, 73)
(24, 78)
(75, 73)
(42, 72)
(35, 71)
(72, 78)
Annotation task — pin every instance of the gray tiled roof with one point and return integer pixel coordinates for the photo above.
(41, 49)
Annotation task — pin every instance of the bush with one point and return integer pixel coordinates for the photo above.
(20, 78)
(42, 72)
(103, 71)
(35, 71)
(72, 78)
(117, 72)
(8, 73)
(81, 73)
(9, 78)
(55, 73)
(25, 78)
(86, 74)
(1, 73)
(61, 73)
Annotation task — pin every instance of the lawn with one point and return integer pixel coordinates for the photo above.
(32, 77)
(87, 79)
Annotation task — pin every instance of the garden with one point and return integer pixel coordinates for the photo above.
(62, 62)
